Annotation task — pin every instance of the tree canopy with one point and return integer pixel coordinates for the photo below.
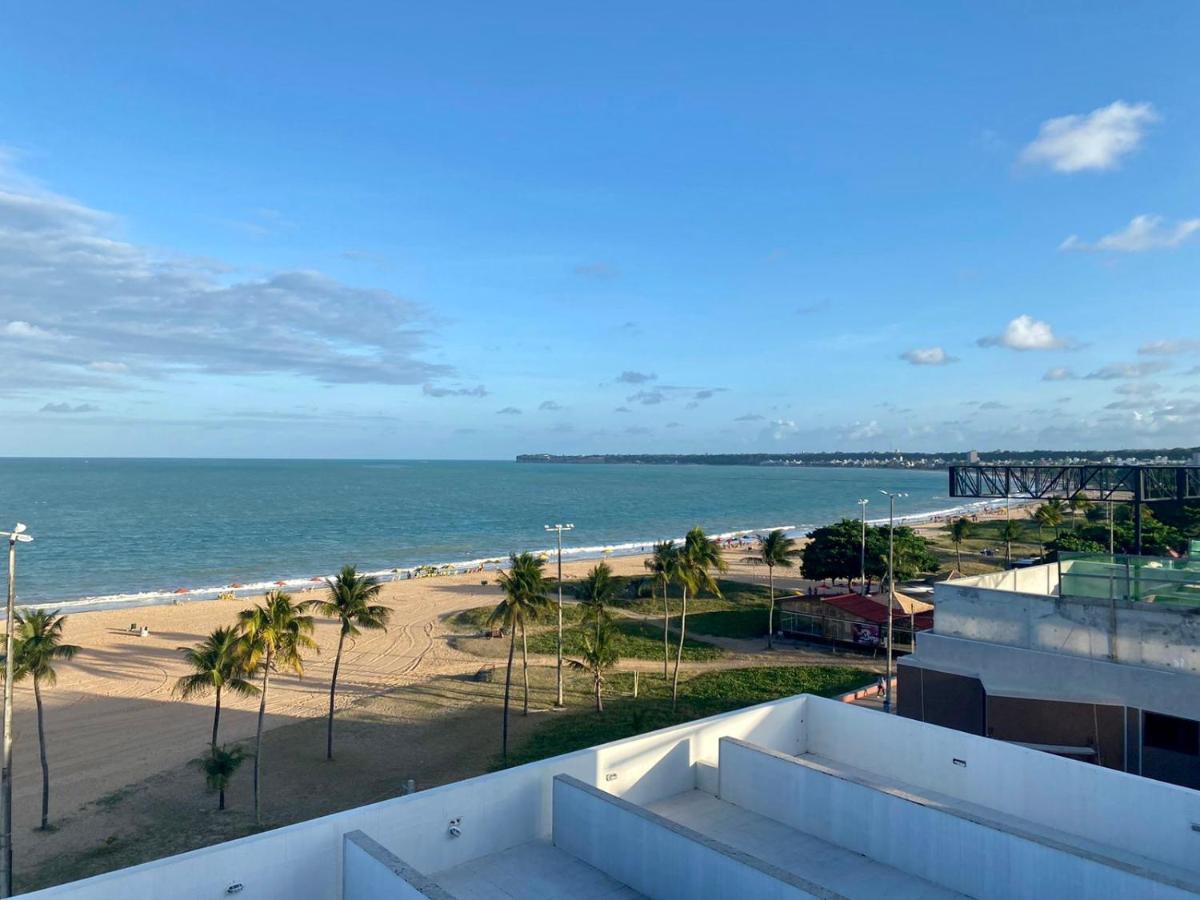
(833, 551)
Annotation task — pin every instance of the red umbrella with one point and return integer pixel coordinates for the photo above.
(281, 583)
(236, 584)
(182, 591)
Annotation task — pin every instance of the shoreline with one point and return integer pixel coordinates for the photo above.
(492, 563)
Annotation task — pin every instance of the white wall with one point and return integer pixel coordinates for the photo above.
(659, 858)
(498, 811)
(1145, 817)
(371, 873)
(957, 852)
(1145, 634)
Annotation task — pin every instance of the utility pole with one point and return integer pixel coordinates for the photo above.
(17, 535)
(862, 554)
(887, 696)
(558, 530)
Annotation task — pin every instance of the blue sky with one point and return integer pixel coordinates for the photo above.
(367, 229)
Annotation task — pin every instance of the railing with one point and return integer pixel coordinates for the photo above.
(1140, 579)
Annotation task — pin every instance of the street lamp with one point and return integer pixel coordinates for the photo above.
(16, 536)
(862, 556)
(559, 529)
(887, 696)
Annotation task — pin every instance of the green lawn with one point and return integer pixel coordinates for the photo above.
(700, 695)
(635, 640)
(987, 535)
(740, 611)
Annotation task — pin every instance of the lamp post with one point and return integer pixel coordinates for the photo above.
(558, 529)
(887, 696)
(862, 554)
(16, 536)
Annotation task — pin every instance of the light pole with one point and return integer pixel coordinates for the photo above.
(17, 535)
(887, 696)
(559, 529)
(862, 555)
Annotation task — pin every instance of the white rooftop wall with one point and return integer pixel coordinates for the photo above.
(1148, 818)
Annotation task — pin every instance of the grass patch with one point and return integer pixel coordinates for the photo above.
(700, 695)
(730, 623)
(634, 640)
(986, 536)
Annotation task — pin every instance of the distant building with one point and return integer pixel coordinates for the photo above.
(973, 458)
(802, 797)
(1096, 658)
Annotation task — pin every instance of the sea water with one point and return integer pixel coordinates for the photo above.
(112, 532)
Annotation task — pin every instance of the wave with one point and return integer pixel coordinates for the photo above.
(458, 567)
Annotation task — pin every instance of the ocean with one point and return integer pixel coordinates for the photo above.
(110, 532)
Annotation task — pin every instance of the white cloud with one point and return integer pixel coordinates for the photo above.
(1114, 371)
(68, 408)
(1025, 333)
(861, 431)
(1058, 373)
(64, 275)
(930, 356)
(1097, 140)
(629, 377)
(109, 368)
(19, 329)
(430, 390)
(1144, 232)
(1169, 348)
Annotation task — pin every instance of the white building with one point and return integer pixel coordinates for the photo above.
(802, 797)
(1097, 657)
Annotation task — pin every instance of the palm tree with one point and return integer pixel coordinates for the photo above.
(349, 601)
(960, 530)
(524, 586)
(218, 663)
(37, 643)
(596, 591)
(219, 765)
(662, 567)
(599, 655)
(1049, 515)
(699, 556)
(774, 549)
(1078, 504)
(274, 633)
(1010, 531)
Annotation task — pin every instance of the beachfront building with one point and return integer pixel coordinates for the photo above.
(802, 797)
(1094, 657)
(854, 620)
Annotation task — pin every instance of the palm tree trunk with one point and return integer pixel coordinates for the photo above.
(958, 556)
(262, 711)
(216, 719)
(37, 693)
(666, 638)
(337, 661)
(599, 702)
(221, 799)
(679, 654)
(525, 667)
(771, 609)
(512, 648)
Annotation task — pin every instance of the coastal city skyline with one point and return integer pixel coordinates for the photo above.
(772, 233)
